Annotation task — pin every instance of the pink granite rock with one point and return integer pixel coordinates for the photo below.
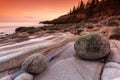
(72, 69)
(9, 77)
(35, 64)
(92, 46)
(24, 76)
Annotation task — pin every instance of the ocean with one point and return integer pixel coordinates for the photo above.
(9, 27)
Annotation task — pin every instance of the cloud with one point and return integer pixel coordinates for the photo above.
(29, 17)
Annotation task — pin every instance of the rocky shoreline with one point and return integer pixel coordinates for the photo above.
(56, 42)
(20, 51)
(63, 59)
(107, 25)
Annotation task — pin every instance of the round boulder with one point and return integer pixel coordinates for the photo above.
(35, 64)
(92, 46)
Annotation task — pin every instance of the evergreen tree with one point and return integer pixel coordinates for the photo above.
(95, 6)
(74, 10)
(82, 7)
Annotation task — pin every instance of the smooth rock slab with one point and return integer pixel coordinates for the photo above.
(72, 69)
(117, 78)
(114, 55)
(24, 76)
(111, 71)
(9, 77)
(115, 52)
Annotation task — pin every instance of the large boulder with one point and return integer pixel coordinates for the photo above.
(24, 76)
(111, 71)
(92, 46)
(35, 64)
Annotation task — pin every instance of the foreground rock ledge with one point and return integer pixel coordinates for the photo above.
(24, 76)
(72, 69)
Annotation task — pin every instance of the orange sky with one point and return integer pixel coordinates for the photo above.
(31, 10)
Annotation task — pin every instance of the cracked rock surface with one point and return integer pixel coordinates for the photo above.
(73, 69)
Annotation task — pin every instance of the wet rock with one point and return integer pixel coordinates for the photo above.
(23, 35)
(72, 69)
(50, 31)
(78, 31)
(2, 36)
(113, 22)
(111, 71)
(92, 46)
(41, 33)
(90, 27)
(113, 33)
(9, 77)
(29, 30)
(24, 76)
(84, 33)
(35, 64)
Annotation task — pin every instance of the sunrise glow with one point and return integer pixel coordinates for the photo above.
(22, 10)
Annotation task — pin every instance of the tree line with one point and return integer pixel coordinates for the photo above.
(95, 6)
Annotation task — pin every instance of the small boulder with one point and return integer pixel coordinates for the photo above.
(2, 36)
(78, 31)
(92, 46)
(90, 27)
(113, 22)
(23, 35)
(9, 77)
(111, 71)
(113, 33)
(41, 33)
(24, 76)
(35, 64)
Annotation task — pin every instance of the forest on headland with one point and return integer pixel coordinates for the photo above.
(92, 9)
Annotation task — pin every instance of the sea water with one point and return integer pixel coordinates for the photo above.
(9, 27)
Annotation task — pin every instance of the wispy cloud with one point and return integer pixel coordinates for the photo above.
(30, 17)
